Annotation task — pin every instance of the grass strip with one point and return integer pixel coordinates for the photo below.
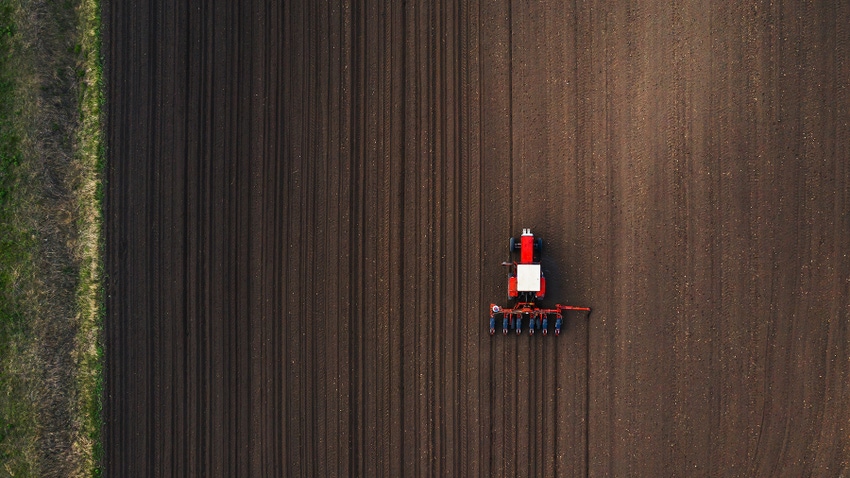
(18, 423)
(90, 290)
(51, 238)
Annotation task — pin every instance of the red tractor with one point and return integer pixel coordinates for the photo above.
(526, 288)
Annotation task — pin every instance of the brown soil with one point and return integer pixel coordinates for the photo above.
(308, 204)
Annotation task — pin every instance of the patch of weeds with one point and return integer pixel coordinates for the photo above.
(90, 290)
(17, 412)
(70, 83)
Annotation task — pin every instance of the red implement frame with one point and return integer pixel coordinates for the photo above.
(534, 313)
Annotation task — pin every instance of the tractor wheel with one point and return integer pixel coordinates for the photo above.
(513, 246)
(538, 244)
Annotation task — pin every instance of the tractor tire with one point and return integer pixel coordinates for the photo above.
(513, 245)
(538, 248)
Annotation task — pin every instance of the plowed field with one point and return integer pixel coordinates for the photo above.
(308, 203)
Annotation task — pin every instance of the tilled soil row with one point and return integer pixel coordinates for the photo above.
(308, 204)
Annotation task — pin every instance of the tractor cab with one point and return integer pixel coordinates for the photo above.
(525, 279)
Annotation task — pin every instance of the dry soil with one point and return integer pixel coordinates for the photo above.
(308, 203)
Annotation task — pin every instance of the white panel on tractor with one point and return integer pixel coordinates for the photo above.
(528, 277)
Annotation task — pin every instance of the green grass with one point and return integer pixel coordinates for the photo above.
(17, 411)
(50, 55)
(90, 292)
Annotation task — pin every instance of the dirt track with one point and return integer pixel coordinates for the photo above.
(308, 204)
